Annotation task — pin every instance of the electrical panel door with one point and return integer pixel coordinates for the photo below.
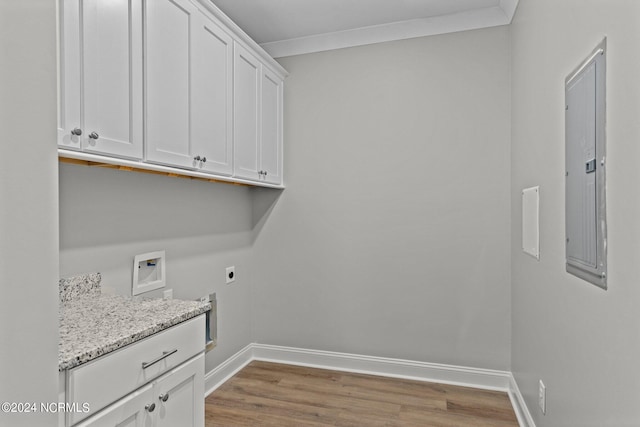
(585, 161)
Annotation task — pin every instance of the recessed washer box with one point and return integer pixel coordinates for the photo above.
(148, 272)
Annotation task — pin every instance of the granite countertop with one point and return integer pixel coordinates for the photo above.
(93, 324)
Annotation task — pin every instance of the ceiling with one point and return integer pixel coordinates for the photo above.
(293, 27)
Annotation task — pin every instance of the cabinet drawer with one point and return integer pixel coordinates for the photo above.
(110, 377)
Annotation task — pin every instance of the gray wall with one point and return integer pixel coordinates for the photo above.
(580, 340)
(355, 256)
(392, 237)
(28, 209)
(107, 217)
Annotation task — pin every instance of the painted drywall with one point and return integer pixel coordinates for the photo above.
(392, 236)
(580, 340)
(107, 217)
(28, 210)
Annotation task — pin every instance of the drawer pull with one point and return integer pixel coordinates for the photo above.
(165, 354)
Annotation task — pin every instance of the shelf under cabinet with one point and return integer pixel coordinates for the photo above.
(87, 159)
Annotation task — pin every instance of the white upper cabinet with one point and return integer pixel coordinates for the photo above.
(257, 119)
(100, 87)
(69, 76)
(212, 130)
(188, 87)
(169, 28)
(168, 84)
(271, 127)
(246, 114)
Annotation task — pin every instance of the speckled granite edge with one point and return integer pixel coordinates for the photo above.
(71, 288)
(91, 328)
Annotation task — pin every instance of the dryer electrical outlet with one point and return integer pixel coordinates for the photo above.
(231, 274)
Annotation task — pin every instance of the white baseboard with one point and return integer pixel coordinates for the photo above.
(218, 376)
(396, 368)
(519, 406)
(486, 379)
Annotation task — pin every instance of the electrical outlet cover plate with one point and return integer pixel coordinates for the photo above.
(231, 274)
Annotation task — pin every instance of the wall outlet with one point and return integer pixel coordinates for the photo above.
(542, 397)
(231, 274)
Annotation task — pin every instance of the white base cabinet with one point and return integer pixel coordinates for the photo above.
(175, 399)
(130, 411)
(157, 381)
(180, 395)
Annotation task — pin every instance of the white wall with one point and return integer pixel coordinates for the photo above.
(28, 209)
(107, 217)
(580, 340)
(392, 237)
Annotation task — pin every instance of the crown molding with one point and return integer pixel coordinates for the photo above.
(214, 13)
(509, 8)
(463, 21)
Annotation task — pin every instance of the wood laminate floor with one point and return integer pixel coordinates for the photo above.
(270, 394)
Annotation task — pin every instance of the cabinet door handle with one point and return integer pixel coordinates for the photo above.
(164, 397)
(196, 158)
(204, 160)
(165, 354)
(94, 135)
(150, 407)
(76, 132)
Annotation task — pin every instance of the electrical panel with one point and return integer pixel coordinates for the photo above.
(585, 201)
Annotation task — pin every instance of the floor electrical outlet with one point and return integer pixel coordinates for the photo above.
(231, 274)
(542, 397)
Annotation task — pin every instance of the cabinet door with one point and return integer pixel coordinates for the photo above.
(112, 77)
(129, 411)
(69, 77)
(585, 154)
(212, 97)
(169, 27)
(246, 96)
(580, 180)
(271, 128)
(180, 395)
